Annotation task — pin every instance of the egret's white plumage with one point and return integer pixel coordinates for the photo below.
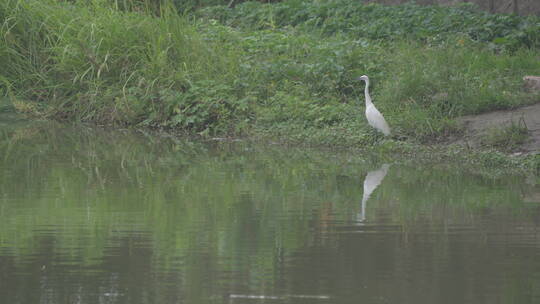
(374, 117)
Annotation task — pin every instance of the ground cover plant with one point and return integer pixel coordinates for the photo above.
(283, 70)
(376, 22)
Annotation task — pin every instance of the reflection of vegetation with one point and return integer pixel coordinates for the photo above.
(180, 182)
(233, 208)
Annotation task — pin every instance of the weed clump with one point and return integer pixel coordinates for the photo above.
(507, 138)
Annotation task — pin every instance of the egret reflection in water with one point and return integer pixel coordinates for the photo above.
(371, 182)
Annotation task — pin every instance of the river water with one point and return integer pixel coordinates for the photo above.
(90, 215)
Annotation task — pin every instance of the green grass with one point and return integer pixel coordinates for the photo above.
(283, 70)
(96, 63)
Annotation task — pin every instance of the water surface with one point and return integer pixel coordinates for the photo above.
(91, 215)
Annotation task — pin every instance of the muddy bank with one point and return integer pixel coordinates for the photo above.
(478, 126)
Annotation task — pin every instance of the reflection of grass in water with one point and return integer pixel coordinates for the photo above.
(434, 194)
(112, 181)
(93, 186)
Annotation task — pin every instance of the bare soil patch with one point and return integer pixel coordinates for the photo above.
(478, 126)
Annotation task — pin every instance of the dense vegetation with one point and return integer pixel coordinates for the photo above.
(377, 22)
(284, 69)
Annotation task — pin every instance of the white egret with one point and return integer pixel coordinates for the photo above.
(371, 182)
(374, 117)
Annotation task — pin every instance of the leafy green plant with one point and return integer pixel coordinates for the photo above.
(376, 21)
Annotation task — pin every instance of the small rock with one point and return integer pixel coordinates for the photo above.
(531, 83)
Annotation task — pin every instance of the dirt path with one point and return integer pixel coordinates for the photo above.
(476, 126)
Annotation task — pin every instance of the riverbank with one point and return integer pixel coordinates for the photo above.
(283, 71)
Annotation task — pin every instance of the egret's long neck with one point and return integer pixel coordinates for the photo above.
(366, 93)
